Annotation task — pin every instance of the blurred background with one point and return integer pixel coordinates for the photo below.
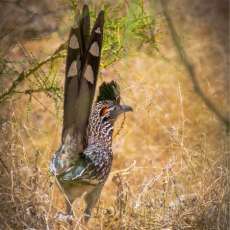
(171, 155)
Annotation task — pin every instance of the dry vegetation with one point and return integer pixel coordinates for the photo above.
(171, 158)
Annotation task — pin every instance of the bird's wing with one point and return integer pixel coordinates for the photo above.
(82, 65)
(91, 168)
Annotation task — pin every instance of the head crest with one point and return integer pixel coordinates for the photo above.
(109, 91)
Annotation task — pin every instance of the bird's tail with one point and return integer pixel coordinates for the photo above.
(82, 66)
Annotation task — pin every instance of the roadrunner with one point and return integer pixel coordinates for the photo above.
(83, 161)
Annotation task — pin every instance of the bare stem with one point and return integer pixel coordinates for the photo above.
(25, 74)
(190, 69)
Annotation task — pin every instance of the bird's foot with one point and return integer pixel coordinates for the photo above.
(62, 217)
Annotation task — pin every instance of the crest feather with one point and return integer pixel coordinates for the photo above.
(109, 91)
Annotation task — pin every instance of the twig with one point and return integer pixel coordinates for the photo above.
(38, 90)
(121, 127)
(190, 69)
(4, 165)
(25, 74)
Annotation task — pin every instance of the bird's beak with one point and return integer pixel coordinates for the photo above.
(119, 110)
(125, 108)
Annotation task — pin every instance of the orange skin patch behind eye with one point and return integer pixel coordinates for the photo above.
(104, 110)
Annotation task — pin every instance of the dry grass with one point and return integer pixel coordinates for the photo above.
(169, 170)
(187, 192)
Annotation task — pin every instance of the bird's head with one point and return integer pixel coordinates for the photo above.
(110, 110)
(105, 112)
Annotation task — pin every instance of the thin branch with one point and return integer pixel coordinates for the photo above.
(37, 90)
(190, 69)
(4, 165)
(25, 74)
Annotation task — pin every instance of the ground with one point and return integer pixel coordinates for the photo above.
(170, 155)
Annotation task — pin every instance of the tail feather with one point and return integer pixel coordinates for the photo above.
(85, 28)
(82, 65)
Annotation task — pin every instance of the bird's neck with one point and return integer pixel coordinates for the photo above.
(101, 134)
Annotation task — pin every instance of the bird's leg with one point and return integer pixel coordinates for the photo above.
(91, 199)
(68, 216)
(69, 210)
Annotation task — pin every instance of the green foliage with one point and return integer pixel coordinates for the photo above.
(139, 25)
(128, 26)
(130, 30)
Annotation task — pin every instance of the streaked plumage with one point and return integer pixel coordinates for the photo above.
(84, 159)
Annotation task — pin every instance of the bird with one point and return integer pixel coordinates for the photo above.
(83, 161)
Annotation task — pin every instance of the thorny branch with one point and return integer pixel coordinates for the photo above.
(190, 69)
(25, 74)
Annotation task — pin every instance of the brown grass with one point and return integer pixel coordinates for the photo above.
(170, 155)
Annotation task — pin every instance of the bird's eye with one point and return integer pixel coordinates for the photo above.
(104, 110)
(105, 119)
